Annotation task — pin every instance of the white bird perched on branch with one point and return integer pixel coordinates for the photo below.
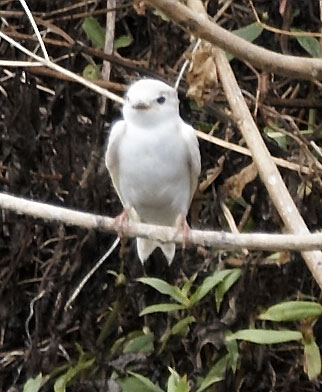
(154, 161)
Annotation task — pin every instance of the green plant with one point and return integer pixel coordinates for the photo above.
(96, 34)
(306, 313)
(223, 280)
(135, 382)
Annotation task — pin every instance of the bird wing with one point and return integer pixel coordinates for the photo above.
(112, 154)
(192, 145)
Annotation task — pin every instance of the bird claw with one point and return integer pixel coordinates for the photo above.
(121, 222)
(184, 228)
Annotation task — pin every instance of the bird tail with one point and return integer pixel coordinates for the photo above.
(146, 247)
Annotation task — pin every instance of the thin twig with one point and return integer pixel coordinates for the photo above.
(31, 313)
(282, 32)
(108, 46)
(245, 151)
(185, 64)
(16, 63)
(63, 70)
(316, 148)
(90, 273)
(35, 27)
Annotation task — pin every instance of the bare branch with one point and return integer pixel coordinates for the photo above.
(218, 239)
(242, 150)
(200, 25)
(17, 63)
(267, 169)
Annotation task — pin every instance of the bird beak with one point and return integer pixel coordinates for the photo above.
(141, 106)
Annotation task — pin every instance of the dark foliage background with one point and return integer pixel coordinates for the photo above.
(52, 147)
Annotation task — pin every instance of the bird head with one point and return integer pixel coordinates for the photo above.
(150, 101)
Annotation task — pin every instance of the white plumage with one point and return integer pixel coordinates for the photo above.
(154, 160)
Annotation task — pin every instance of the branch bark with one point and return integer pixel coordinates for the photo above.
(219, 239)
(200, 25)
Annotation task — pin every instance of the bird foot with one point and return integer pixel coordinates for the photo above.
(184, 228)
(121, 222)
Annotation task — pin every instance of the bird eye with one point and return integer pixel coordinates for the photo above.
(161, 99)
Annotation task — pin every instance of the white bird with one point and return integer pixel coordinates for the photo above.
(154, 161)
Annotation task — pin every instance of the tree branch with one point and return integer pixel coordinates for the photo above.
(201, 26)
(220, 239)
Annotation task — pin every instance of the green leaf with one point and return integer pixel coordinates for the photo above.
(208, 284)
(312, 359)
(177, 383)
(216, 373)
(138, 383)
(232, 348)
(311, 121)
(291, 311)
(162, 15)
(122, 42)
(181, 325)
(225, 285)
(34, 384)
(161, 308)
(115, 346)
(91, 71)
(166, 288)
(204, 126)
(187, 286)
(140, 344)
(132, 384)
(94, 31)
(310, 44)
(249, 33)
(62, 381)
(280, 138)
(265, 336)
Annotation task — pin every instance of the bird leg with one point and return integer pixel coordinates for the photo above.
(121, 221)
(184, 228)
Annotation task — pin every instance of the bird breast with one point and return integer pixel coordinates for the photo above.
(154, 176)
